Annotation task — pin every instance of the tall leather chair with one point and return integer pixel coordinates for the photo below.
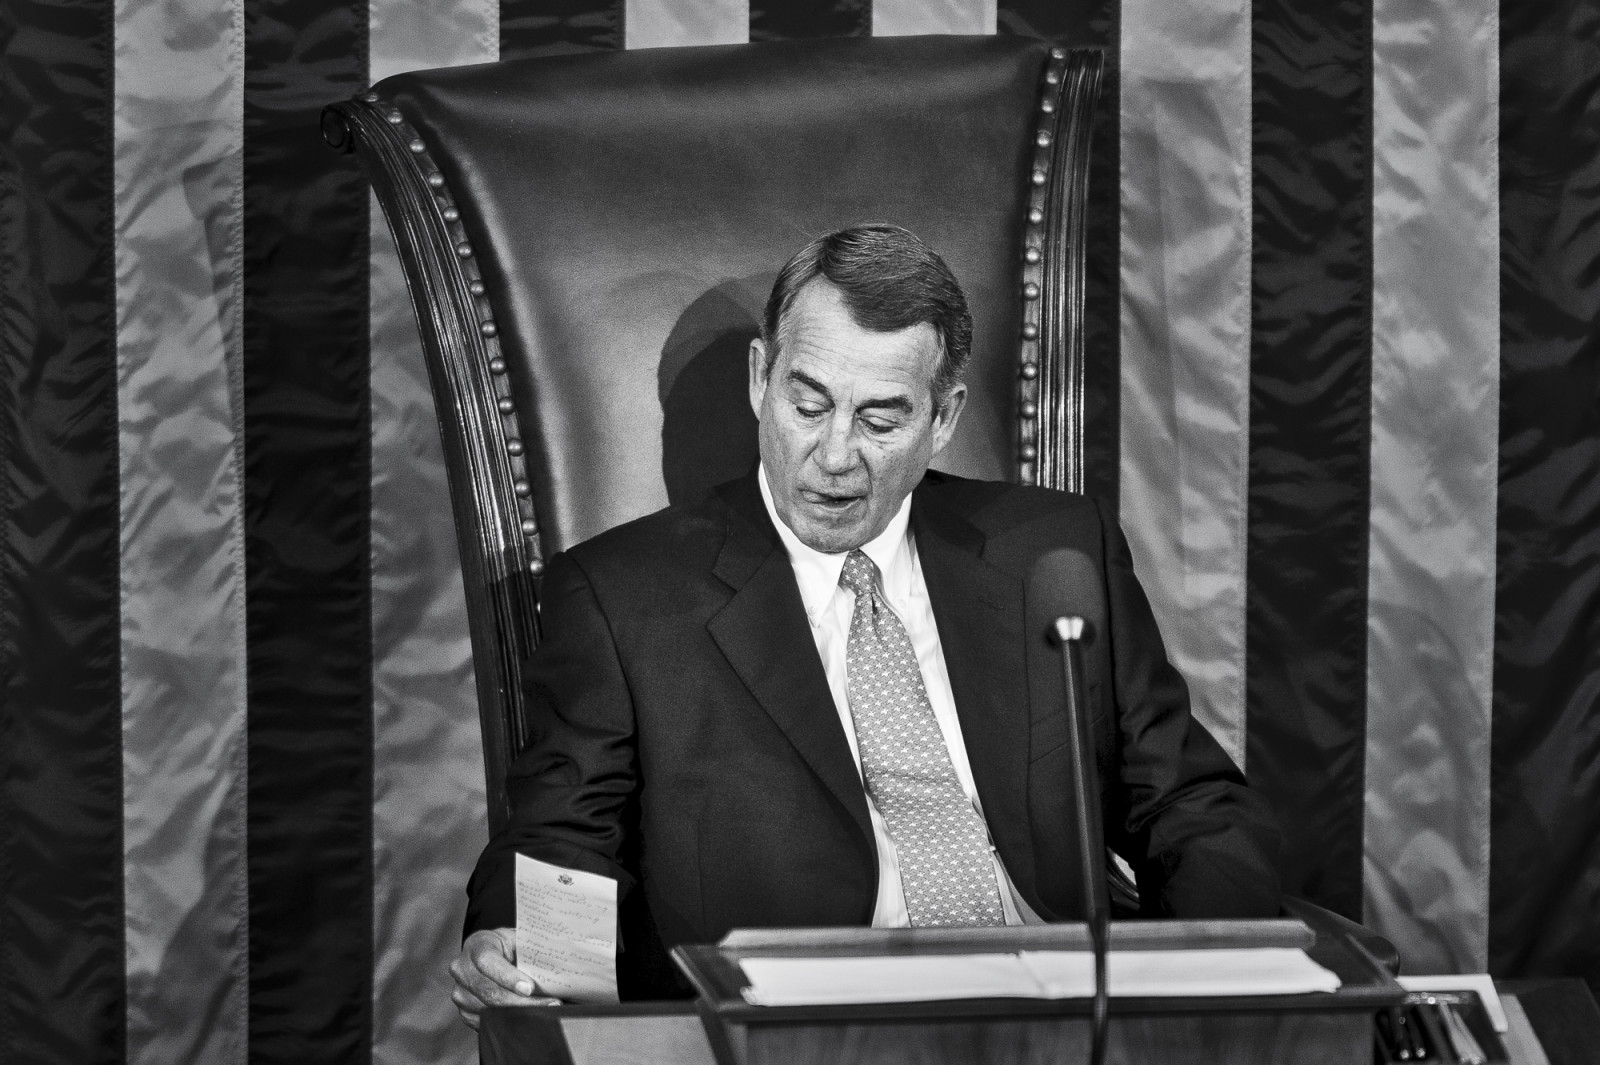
(589, 241)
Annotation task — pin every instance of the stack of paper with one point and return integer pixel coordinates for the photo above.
(1042, 974)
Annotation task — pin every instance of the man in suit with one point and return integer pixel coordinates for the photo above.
(825, 695)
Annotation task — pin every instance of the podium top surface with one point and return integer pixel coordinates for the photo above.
(716, 973)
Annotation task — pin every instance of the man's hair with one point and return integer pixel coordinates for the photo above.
(889, 280)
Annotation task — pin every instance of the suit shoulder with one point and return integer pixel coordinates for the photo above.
(999, 506)
(674, 537)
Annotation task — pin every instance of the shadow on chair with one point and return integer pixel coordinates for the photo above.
(708, 431)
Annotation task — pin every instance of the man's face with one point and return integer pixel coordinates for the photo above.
(847, 420)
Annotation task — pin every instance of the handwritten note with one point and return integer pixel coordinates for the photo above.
(567, 931)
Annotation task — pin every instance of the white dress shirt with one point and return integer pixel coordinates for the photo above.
(829, 608)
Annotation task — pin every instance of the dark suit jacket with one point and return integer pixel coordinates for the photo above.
(687, 743)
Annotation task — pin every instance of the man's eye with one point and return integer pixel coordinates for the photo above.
(806, 410)
(878, 427)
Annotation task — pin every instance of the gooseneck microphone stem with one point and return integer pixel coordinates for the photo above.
(1069, 634)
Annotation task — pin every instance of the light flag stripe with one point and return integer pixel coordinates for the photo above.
(1185, 321)
(674, 23)
(1435, 466)
(178, 130)
(427, 774)
(903, 18)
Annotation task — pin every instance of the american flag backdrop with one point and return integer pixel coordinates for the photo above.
(1346, 393)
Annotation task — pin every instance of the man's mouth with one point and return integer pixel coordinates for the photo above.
(829, 500)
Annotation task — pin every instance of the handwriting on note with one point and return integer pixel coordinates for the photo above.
(567, 931)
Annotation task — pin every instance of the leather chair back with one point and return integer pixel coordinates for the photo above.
(590, 240)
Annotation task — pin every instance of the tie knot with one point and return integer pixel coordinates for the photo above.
(860, 574)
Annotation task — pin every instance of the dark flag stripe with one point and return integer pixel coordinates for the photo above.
(1544, 870)
(556, 27)
(62, 988)
(780, 20)
(1310, 399)
(307, 473)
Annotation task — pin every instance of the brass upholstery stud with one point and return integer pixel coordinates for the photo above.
(1043, 139)
(475, 287)
(497, 366)
(506, 404)
(417, 146)
(1029, 452)
(1053, 77)
(452, 215)
(488, 329)
(1030, 291)
(1031, 255)
(1058, 53)
(536, 567)
(514, 447)
(1048, 107)
(1030, 409)
(370, 97)
(529, 527)
(435, 180)
(1030, 370)
(1038, 177)
(1030, 331)
(521, 487)
(1035, 215)
(464, 250)
(395, 118)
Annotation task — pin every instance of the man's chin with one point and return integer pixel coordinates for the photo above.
(834, 533)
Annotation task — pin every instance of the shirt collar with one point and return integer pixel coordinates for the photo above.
(817, 573)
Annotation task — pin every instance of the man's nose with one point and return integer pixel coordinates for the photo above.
(836, 453)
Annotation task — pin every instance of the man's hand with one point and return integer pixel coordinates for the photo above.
(486, 975)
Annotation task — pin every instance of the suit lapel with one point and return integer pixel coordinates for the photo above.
(979, 611)
(759, 631)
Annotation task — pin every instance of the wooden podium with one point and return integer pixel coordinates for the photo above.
(721, 1028)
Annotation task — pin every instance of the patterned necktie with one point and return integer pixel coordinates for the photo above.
(946, 868)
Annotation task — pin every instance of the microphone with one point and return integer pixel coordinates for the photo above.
(1070, 631)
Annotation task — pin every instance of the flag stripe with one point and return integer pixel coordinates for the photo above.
(895, 18)
(306, 522)
(779, 20)
(1076, 23)
(1545, 764)
(1435, 405)
(1305, 608)
(554, 27)
(674, 23)
(1186, 336)
(61, 938)
(179, 81)
(428, 799)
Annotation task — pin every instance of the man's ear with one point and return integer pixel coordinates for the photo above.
(758, 375)
(944, 420)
